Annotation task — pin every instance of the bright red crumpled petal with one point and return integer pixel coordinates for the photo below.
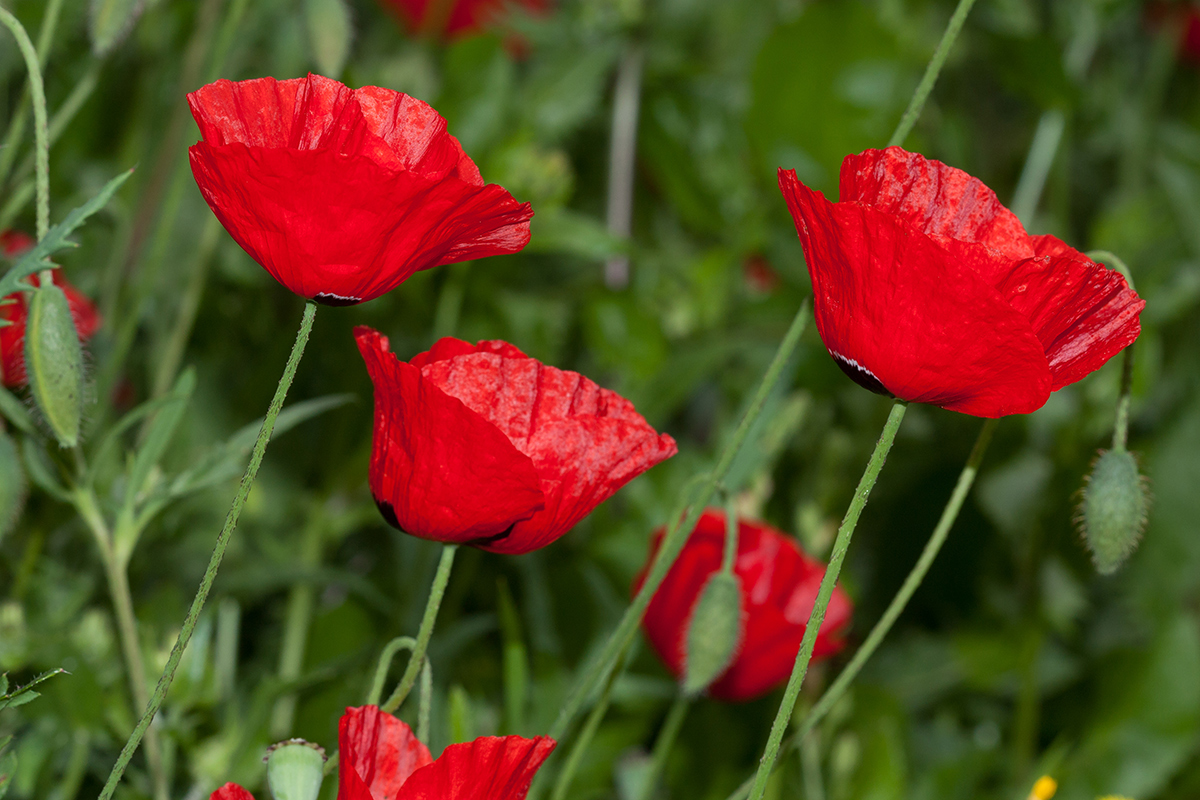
(231, 791)
(779, 585)
(343, 194)
(15, 311)
(896, 311)
(585, 442)
(378, 753)
(488, 768)
(439, 470)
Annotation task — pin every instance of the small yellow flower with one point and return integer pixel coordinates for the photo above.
(1044, 789)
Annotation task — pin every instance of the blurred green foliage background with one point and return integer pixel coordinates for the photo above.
(1014, 658)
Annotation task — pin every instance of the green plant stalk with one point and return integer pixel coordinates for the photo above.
(425, 702)
(840, 545)
(667, 735)
(1121, 426)
(214, 562)
(677, 533)
(298, 619)
(729, 556)
(931, 73)
(436, 591)
(385, 662)
(37, 91)
(810, 767)
(16, 127)
(584, 740)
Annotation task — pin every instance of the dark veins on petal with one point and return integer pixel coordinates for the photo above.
(860, 375)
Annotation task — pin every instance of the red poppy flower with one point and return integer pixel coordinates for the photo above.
(381, 759)
(779, 587)
(466, 16)
(926, 288)
(343, 194)
(483, 445)
(14, 309)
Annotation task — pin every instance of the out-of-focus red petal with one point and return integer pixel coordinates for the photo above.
(936, 199)
(346, 228)
(892, 306)
(584, 441)
(1082, 312)
(12, 337)
(489, 768)
(231, 791)
(779, 584)
(15, 243)
(378, 753)
(442, 470)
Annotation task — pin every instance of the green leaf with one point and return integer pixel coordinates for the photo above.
(330, 30)
(113, 436)
(24, 694)
(40, 470)
(3, 691)
(13, 486)
(8, 767)
(110, 21)
(563, 231)
(15, 411)
(56, 239)
(159, 435)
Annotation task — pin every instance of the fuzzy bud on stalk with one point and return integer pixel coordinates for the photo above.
(1112, 515)
(54, 362)
(295, 769)
(12, 484)
(714, 632)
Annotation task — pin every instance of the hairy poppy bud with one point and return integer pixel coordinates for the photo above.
(12, 484)
(1113, 512)
(714, 632)
(54, 362)
(295, 769)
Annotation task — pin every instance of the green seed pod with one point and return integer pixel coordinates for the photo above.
(12, 484)
(295, 769)
(54, 362)
(714, 632)
(1112, 515)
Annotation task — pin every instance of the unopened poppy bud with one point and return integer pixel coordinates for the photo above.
(714, 632)
(12, 484)
(1113, 512)
(295, 769)
(54, 362)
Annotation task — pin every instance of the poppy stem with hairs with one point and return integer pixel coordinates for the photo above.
(931, 72)
(680, 528)
(40, 127)
(214, 561)
(840, 545)
(436, 591)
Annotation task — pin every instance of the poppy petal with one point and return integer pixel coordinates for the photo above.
(231, 791)
(489, 768)
(936, 199)
(890, 303)
(378, 753)
(1083, 313)
(585, 442)
(440, 470)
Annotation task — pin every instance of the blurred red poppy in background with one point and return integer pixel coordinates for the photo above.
(926, 288)
(380, 758)
(15, 310)
(343, 194)
(456, 18)
(779, 586)
(1181, 20)
(483, 445)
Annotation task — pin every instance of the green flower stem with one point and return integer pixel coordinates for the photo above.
(385, 662)
(840, 545)
(729, 557)
(425, 701)
(931, 73)
(563, 782)
(16, 126)
(667, 735)
(298, 619)
(41, 137)
(436, 591)
(1121, 427)
(681, 526)
(214, 562)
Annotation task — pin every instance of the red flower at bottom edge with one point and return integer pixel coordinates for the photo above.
(381, 759)
(14, 309)
(779, 587)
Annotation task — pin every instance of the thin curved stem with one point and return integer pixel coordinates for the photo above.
(436, 591)
(218, 553)
(681, 526)
(840, 545)
(667, 735)
(931, 73)
(37, 92)
(385, 663)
